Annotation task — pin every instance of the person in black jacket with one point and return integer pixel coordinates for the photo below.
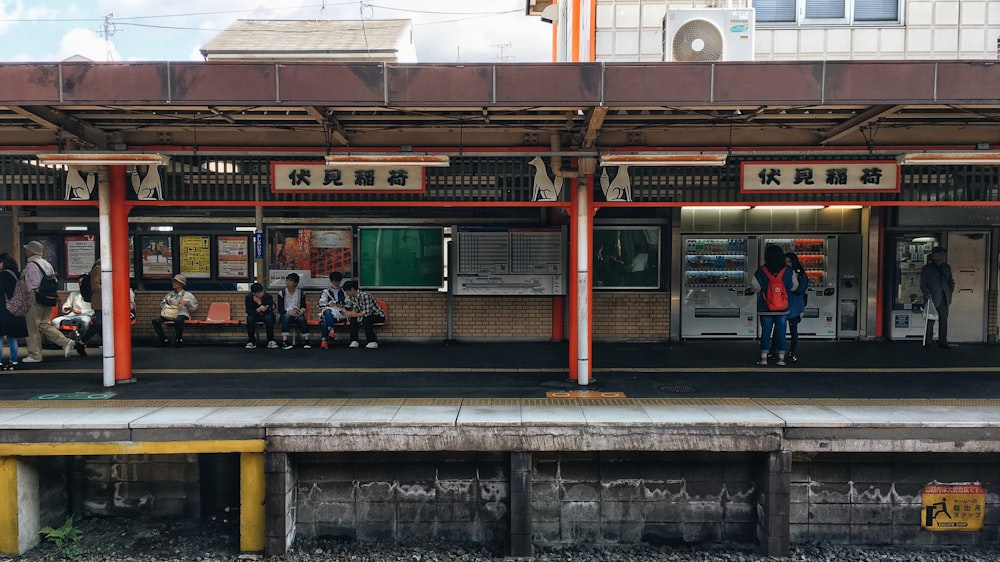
(937, 285)
(11, 327)
(260, 308)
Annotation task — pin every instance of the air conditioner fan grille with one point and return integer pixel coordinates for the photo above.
(697, 41)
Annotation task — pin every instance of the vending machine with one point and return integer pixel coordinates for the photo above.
(717, 298)
(818, 256)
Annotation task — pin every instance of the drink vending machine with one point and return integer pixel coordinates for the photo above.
(818, 256)
(718, 301)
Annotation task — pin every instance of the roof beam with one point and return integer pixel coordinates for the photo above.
(858, 121)
(337, 131)
(59, 121)
(594, 123)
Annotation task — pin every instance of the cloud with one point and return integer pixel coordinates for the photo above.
(88, 44)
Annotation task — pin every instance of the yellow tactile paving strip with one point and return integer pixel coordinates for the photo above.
(509, 402)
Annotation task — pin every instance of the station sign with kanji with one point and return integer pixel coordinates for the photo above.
(820, 176)
(310, 177)
(952, 507)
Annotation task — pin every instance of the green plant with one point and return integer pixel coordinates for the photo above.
(64, 537)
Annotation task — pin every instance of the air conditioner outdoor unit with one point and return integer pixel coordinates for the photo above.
(708, 34)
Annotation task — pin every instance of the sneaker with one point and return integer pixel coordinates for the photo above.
(251, 345)
(355, 344)
(372, 345)
(272, 344)
(68, 347)
(332, 335)
(780, 363)
(165, 343)
(306, 346)
(81, 349)
(324, 345)
(30, 359)
(791, 358)
(179, 343)
(762, 362)
(286, 345)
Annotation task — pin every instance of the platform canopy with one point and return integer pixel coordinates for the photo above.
(807, 105)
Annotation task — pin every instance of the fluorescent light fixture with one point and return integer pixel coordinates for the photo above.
(716, 208)
(983, 158)
(162, 228)
(788, 207)
(246, 229)
(103, 159)
(75, 228)
(924, 239)
(665, 159)
(425, 160)
(845, 207)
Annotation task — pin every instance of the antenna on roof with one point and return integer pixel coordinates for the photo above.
(322, 8)
(107, 30)
(502, 55)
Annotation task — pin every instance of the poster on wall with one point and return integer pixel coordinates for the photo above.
(131, 257)
(500, 260)
(81, 252)
(233, 257)
(196, 256)
(312, 253)
(626, 257)
(157, 257)
(401, 257)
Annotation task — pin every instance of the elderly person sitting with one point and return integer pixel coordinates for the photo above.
(176, 306)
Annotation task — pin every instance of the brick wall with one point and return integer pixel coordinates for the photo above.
(875, 499)
(130, 485)
(422, 316)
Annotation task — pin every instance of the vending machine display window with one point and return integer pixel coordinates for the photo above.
(626, 257)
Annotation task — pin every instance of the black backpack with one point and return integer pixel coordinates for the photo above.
(47, 293)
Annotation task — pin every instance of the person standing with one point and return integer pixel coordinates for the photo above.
(937, 285)
(796, 304)
(176, 306)
(260, 308)
(11, 327)
(361, 308)
(331, 308)
(773, 281)
(39, 314)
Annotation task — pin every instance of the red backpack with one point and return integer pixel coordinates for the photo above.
(776, 294)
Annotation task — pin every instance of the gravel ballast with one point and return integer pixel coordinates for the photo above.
(142, 540)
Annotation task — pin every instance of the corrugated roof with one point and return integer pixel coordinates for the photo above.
(291, 37)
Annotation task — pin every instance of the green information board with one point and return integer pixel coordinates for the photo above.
(401, 257)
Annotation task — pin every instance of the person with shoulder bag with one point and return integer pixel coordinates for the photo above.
(12, 326)
(176, 306)
(37, 273)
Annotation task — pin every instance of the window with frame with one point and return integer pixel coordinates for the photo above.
(815, 12)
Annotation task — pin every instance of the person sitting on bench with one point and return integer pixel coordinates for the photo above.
(78, 312)
(260, 308)
(176, 306)
(331, 306)
(361, 308)
(292, 305)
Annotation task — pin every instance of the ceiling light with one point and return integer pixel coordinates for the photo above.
(103, 159)
(665, 159)
(788, 207)
(845, 207)
(950, 158)
(162, 228)
(426, 160)
(246, 229)
(716, 208)
(75, 228)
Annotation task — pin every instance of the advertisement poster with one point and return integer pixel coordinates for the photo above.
(157, 257)
(234, 259)
(131, 257)
(196, 256)
(312, 253)
(81, 252)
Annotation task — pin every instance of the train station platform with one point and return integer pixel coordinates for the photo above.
(766, 436)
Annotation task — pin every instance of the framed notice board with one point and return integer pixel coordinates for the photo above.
(510, 261)
(401, 257)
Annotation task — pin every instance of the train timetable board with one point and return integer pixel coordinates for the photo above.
(510, 261)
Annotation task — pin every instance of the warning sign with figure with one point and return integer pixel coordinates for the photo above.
(952, 507)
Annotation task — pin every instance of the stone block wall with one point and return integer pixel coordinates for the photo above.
(130, 485)
(874, 499)
(462, 497)
(660, 498)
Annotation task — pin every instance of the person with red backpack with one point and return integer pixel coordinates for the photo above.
(773, 282)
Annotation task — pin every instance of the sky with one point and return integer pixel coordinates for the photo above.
(444, 31)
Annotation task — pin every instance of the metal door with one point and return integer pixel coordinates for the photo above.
(967, 255)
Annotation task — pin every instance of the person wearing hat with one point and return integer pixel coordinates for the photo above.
(176, 306)
(937, 286)
(39, 314)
